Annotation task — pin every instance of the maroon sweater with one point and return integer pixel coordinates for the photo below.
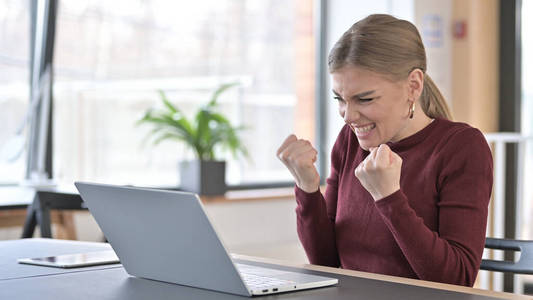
(433, 228)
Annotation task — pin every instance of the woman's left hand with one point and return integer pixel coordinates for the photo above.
(380, 172)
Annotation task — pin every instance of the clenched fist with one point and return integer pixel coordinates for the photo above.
(299, 157)
(380, 172)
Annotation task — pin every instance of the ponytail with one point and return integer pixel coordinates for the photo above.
(432, 101)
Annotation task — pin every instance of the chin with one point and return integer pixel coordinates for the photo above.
(368, 141)
(366, 145)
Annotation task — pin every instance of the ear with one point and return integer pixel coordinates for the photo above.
(415, 82)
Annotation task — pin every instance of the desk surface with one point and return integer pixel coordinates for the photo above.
(10, 251)
(105, 282)
(12, 197)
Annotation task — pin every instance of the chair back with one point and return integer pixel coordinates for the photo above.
(523, 266)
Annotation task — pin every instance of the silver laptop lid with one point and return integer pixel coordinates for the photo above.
(162, 235)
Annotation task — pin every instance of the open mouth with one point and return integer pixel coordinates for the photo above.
(363, 131)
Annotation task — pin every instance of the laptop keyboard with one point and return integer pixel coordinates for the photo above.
(259, 282)
(258, 277)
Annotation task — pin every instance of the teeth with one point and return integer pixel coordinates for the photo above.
(364, 129)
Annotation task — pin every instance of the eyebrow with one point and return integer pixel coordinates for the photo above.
(357, 96)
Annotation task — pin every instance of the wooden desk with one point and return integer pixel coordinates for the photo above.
(17, 208)
(64, 221)
(112, 282)
(251, 195)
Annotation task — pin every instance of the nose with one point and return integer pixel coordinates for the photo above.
(351, 113)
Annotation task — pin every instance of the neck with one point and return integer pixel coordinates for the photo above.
(419, 121)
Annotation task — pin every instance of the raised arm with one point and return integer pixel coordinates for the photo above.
(453, 253)
(315, 214)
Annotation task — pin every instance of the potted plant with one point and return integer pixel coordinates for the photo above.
(208, 130)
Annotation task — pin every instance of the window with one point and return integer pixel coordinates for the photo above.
(14, 87)
(111, 58)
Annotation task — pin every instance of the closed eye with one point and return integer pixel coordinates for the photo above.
(366, 99)
(338, 99)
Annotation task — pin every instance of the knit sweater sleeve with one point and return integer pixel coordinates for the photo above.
(453, 253)
(315, 215)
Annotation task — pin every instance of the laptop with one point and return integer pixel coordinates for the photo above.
(167, 236)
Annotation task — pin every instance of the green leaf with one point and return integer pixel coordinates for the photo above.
(146, 115)
(207, 130)
(220, 119)
(167, 136)
(219, 91)
(202, 131)
(167, 103)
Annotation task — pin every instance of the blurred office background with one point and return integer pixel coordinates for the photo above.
(111, 57)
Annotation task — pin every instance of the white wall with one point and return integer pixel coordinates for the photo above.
(433, 19)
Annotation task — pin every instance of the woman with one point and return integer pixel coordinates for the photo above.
(409, 189)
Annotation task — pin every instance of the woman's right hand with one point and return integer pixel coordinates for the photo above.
(299, 157)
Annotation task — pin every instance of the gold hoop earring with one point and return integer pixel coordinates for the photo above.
(412, 110)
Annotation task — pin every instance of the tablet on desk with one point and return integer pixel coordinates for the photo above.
(74, 260)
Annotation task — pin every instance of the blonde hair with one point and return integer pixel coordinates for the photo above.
(392, 47)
